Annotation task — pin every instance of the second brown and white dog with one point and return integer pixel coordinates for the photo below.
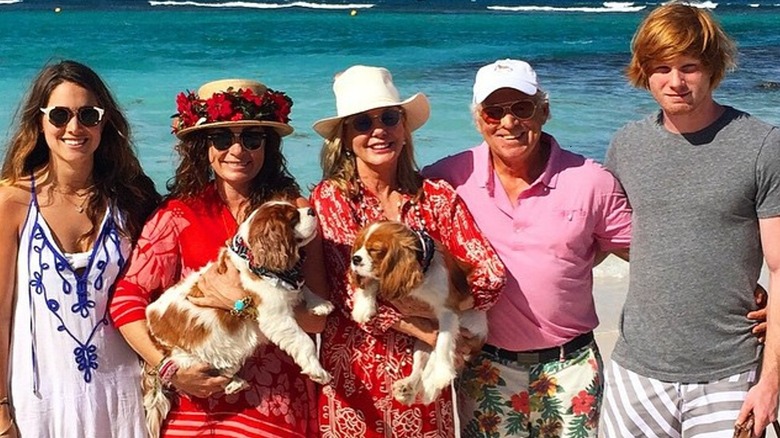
(391, 261)
(265, 250)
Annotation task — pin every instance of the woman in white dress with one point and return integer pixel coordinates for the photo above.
(73, 199)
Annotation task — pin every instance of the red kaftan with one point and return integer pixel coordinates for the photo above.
(366, 359)
(179, 238)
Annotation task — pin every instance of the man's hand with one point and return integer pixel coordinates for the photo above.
(762, 400)
(759, 315)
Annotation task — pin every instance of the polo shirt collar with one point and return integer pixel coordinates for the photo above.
(484, 171)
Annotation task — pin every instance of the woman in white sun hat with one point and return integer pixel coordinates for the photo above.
(230, 135)
(370, 174)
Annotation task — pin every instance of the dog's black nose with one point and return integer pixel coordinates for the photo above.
(310, 212)
(356, 260)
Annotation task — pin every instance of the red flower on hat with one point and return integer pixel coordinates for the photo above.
(251, 97)
(231, 105)
(219, 107)
(184, 104)
(283, 104)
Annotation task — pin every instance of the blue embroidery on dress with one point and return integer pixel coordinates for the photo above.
(86, 354)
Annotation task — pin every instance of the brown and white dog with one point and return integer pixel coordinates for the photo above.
(392, 262)
(265, 251)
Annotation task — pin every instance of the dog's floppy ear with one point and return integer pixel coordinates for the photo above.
(399, 271)
(272, 238)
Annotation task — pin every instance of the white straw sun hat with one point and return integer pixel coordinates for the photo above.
(360, 88)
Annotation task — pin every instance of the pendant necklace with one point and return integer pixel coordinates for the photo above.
(83, 197)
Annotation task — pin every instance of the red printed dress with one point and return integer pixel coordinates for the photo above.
(365, 359)
(181, 237)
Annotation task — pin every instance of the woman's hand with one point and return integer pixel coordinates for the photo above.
(220, 289)
(199, 381)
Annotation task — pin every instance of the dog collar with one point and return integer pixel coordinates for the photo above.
(291, 279)
(427, 249)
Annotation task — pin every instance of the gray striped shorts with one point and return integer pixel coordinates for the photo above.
(638, 406)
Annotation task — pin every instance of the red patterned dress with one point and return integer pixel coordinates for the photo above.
(365, 359)
(179, 238)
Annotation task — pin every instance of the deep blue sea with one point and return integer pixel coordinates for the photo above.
(148, 51)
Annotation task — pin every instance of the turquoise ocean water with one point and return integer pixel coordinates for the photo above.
(149, 51)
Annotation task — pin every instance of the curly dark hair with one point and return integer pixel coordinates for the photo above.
(117, 174)
(194, 173)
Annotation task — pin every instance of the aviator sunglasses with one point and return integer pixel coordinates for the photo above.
(521, 109)
(251, 140)
(59, 116)
(364, 122)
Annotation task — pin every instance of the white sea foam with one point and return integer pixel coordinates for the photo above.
(9, 2)
(607, 7)
(704, 5)
(252, 5)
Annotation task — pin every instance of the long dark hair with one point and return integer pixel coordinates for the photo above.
(194, 173)
(116, 173)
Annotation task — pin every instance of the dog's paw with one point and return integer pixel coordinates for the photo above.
(363, 311)
(319, 376)
(236, 385)
(405, 391)
(435, 382)
(322, 309)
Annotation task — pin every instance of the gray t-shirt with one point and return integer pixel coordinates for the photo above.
(695, 251)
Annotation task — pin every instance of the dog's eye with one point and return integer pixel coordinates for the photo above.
(377, 251)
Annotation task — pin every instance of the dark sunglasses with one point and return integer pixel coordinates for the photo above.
(59, 116)
(364, 122)
(521, 109)
(251, 140)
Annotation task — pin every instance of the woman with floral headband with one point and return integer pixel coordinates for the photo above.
(231, 161)
(369, 175)
(73, 199)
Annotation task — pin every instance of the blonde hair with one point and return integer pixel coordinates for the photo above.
(677, 29)
(339, 167)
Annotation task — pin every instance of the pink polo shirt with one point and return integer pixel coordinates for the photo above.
(548, 241)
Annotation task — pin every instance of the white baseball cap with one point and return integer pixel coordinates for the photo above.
(505, 73)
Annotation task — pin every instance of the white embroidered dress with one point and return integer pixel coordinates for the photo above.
(71, 372)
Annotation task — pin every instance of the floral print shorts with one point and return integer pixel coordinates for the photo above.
(501, 398)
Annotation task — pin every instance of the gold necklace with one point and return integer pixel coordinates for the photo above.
(84, 197)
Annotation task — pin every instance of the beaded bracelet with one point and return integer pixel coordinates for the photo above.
(244, 308)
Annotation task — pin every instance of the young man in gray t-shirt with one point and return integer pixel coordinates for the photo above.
(703, 180)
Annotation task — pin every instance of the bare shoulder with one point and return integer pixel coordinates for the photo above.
(14, 201)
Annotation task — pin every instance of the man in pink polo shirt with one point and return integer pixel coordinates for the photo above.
(550, 214)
